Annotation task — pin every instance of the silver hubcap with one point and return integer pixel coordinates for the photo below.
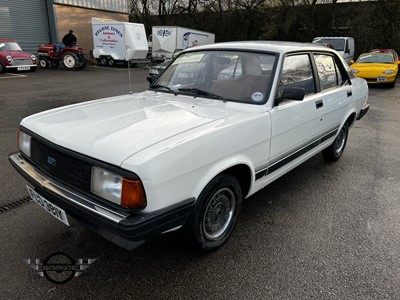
(219, 213)
(340, 140)
(42, 63)
(69, 61)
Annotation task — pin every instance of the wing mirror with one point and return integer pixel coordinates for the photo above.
(351, 62)
(291, 93)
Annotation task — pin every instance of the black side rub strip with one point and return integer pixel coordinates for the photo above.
(295, 154)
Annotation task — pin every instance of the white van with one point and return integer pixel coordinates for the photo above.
(344, 45)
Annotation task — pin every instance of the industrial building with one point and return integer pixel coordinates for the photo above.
(34, 22)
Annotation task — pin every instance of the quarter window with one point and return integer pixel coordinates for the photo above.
(297, 72)
(327, 71)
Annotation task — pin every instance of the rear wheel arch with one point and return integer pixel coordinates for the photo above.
(351, 119)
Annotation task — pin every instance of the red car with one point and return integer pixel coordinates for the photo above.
(13, 58)
(386, 50)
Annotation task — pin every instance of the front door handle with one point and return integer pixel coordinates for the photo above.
(349, 93)
(319, 104)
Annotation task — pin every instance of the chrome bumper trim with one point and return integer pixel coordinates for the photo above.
(63, 192)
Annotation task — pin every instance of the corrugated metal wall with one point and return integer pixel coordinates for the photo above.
(110, 5)
(25, 21)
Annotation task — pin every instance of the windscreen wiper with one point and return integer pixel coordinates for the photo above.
(203, 93)
(164, 87)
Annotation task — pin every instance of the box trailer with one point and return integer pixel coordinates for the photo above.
(167, 39)
(115, 41)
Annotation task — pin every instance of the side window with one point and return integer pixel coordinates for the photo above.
(327, 71)
(297, 72)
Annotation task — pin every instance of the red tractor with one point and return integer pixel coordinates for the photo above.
(72, 57)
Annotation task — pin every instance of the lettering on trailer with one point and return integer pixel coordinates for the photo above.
(112, 31)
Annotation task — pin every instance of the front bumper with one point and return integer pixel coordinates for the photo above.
(126, 229)
(16, 67)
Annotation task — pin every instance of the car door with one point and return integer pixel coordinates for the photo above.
(335, 92)
(296, 125)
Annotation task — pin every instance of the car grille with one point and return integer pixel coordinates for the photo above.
(61, 166)
(21, 62)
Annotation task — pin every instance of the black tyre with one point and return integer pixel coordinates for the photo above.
(70, 60)
(215, 214)
(111, 62)
(104, 61)
(2, 69)
(335, 151)
(43, 62)
(55, 63)
(32, 69)
(392, 84)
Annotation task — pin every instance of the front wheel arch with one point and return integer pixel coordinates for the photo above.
(215, 213)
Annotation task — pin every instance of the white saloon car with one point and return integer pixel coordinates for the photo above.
(218, 125)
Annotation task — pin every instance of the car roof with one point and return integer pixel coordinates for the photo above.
(386, 50)
(270, 46)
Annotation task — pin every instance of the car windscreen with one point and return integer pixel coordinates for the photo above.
(376, 58)
(9, 46)
(227, 75)
(337, 44)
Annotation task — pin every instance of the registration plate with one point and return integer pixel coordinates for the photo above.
(54, 210)
(381, 78)
(24, 68)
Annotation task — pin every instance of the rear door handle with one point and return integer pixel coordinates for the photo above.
(319, 104)
(349, 93)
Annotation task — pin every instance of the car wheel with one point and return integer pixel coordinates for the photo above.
(104, 61)
(55, 63)
(215, 214)
(70, 60)
(2, 69)
(335, 151)
(111, 62)
(32, 69)
(392, 84)
(43, 62)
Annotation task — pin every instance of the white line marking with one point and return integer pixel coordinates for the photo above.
(113, 69)
(16, 75)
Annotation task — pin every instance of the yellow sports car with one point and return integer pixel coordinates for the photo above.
(376, 67)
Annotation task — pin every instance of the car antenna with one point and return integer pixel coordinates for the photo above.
(129, 72)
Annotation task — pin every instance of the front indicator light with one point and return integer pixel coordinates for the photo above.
(153, 71)
(133, 195)
(388, 72)
(354, 71)
(117, 189)
(24, 143)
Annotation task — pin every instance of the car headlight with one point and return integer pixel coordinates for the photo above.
(33, 57)
(117, 189)
(153, 71)
(388, 72)
(9, 58)
(24, 143)
(354, 71)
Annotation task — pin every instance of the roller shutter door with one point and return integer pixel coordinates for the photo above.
(25, 21)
